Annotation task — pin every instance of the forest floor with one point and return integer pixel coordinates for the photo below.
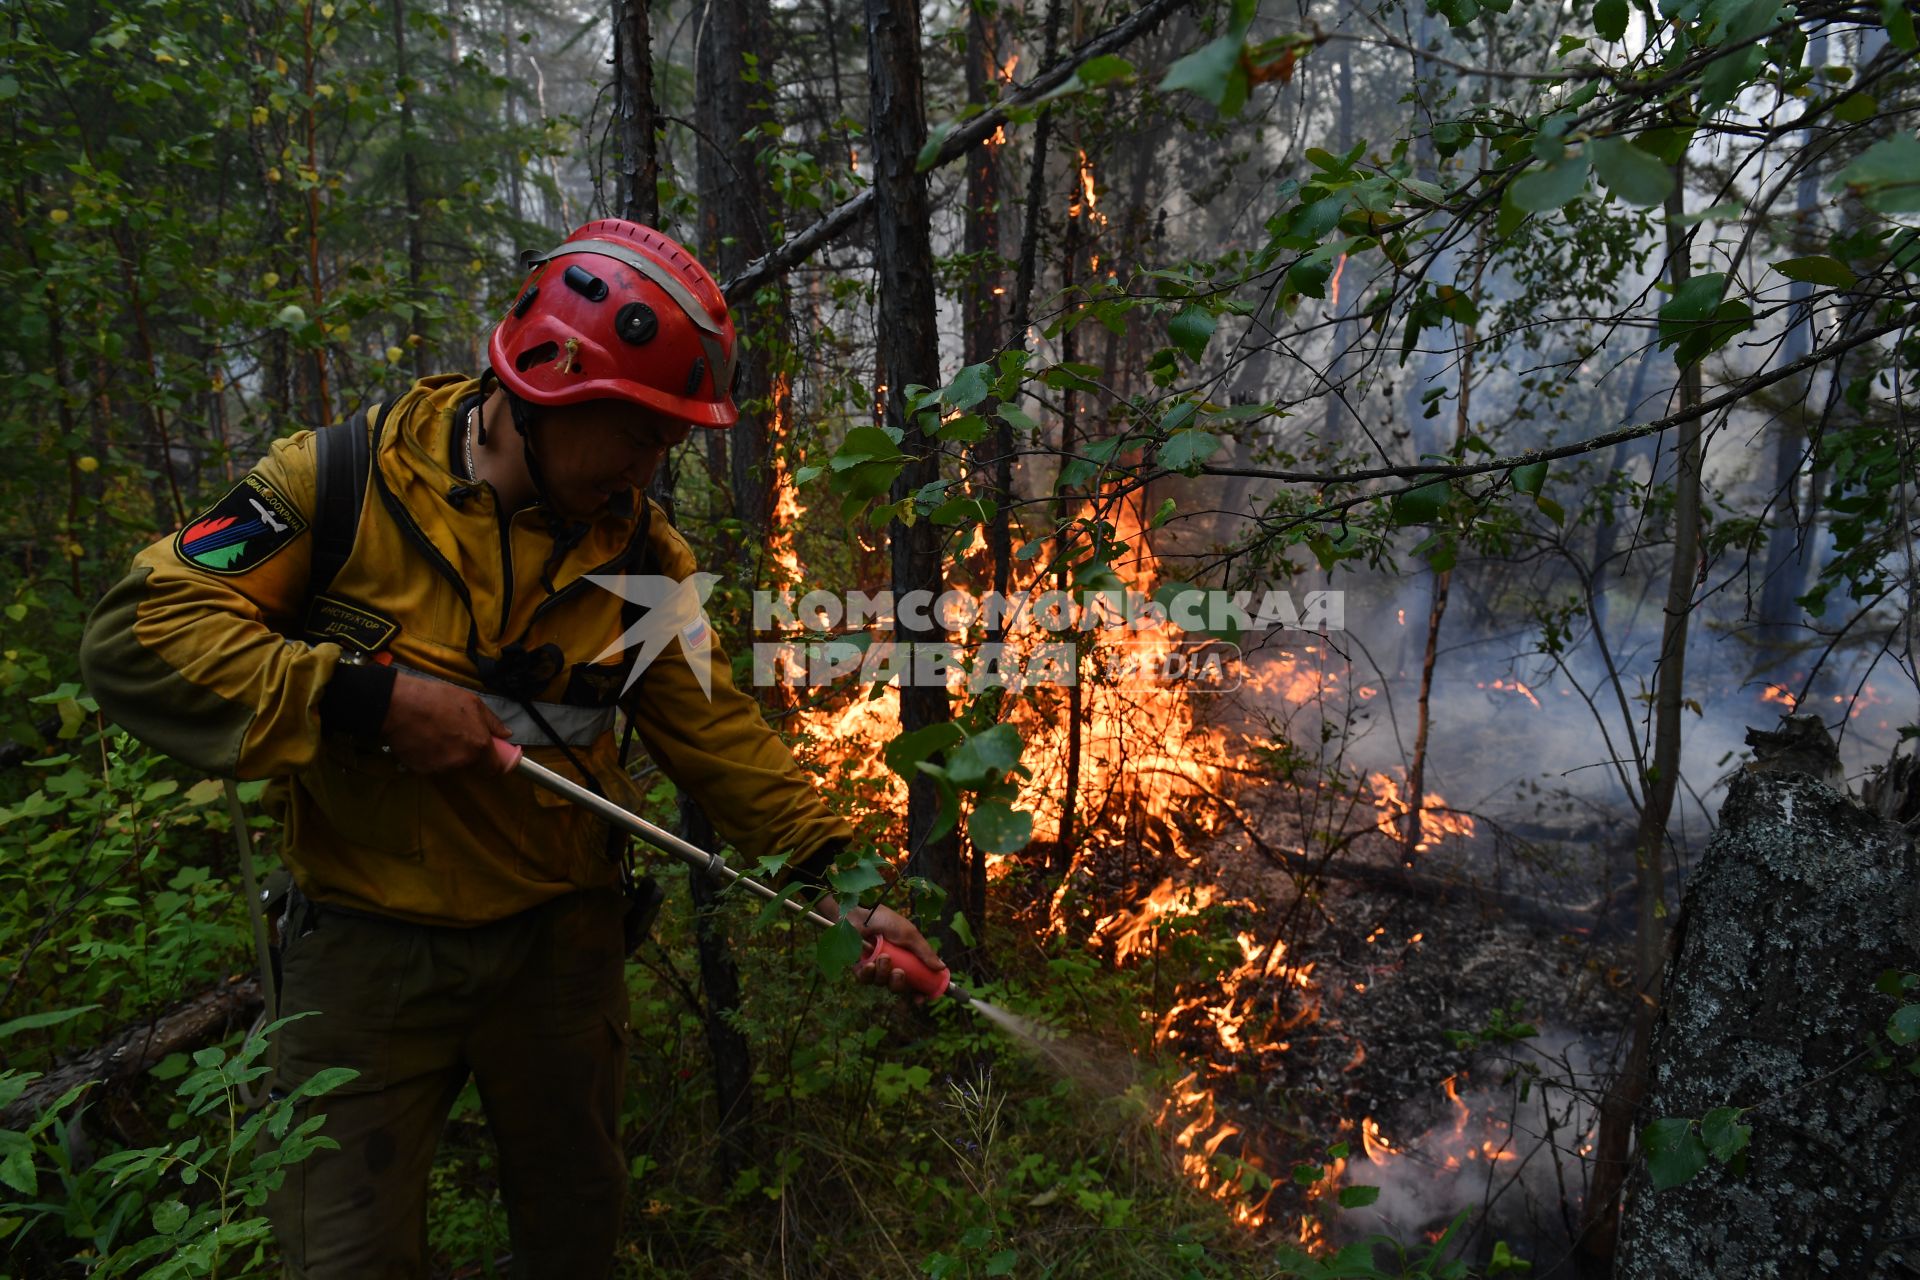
(1444, 1023)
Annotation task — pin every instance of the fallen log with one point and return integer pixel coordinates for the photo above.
(1801, 901)
(133, 1050)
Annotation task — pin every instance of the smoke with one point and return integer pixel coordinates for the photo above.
(1506, 1140)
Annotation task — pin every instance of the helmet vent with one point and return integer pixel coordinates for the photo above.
(586, 284)
(536, 355)
(526, 301)
(636, 324)
(696, 374)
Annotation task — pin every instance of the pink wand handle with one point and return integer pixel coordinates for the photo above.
(507, 753)
(931, 983)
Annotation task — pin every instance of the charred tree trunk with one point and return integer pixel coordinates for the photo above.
(1621, 1105)
(737, 202)
(719, 978)
(1801, 901)
(639, 193)
(909, 353)
(720, 989)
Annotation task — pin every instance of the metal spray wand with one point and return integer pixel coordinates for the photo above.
(927, 982)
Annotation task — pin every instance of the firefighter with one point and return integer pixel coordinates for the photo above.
(448, 921)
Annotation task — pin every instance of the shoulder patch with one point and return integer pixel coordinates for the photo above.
(241, 531)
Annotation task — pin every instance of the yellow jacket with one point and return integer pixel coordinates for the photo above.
(201, 652)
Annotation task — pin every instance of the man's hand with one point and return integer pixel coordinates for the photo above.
(885, 922)
(432, 727)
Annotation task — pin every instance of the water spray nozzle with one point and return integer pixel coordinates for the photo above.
(931, 983)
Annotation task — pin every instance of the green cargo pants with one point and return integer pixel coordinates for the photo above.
(534, 1007)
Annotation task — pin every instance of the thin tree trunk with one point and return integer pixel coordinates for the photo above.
(982, 315)
(415, 212)
(1788, 545)
(1618, 1109)
(322, 406)
(909, 353)
(633, 89)
(720, 989)
(1062, 860)
(1442, 585)
(1020, 317)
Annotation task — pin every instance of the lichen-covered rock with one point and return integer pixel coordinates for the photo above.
(1802, 899)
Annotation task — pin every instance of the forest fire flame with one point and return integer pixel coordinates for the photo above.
(1088, 196)
(1510, 686)
(1145, 758)
(787, 508)
(1437, 818)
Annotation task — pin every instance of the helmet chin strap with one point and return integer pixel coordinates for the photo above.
(525, 418)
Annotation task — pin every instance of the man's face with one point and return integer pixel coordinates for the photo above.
(591, 452)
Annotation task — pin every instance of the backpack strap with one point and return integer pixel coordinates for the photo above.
(343, 455)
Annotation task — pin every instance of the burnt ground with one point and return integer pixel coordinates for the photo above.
(1493, 966)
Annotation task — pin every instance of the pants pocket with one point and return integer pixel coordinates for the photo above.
(341, 984)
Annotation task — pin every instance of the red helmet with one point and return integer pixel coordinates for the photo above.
(620, 312)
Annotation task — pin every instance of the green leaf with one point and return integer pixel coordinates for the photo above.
(169, 1216)
(1855, 107)
(930, 151)
(1886, 176)
(1903, 1028)
(1100, 70)
(857, 879)
(963, 511)
(1553, 187)
(994, 751)
(1358, 1197)
(866, 444)
(838, 949)
(1015, 417)
(1674, 1152)
(1190, 331)
(1001, 1263)
(17, 1171)
(1629, 172)
(1216, 71)
(1422, 505)
(904, 753)
(961, 929)
(997, 827)
(1723, 1134)
(1692, 305)
(1899, 20)
(1187, 450)
(1308, 1174)
(1610, 19)
(38, 1021)
(1528, 477)
(775, 908)
(968, 388)
(1818, 269)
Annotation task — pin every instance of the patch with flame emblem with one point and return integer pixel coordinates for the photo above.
(253, 523)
